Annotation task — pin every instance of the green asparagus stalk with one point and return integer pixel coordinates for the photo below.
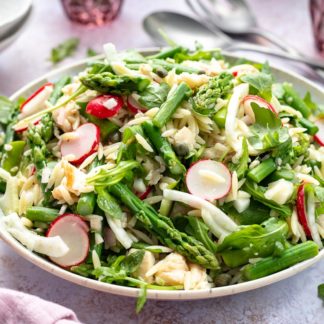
(173, 101)
(41, 214)
(107, 82)
(293, 99)
(169, 52)
(264, 169)
(86, 203)
(220, 117)
(312, 129)
(164, 148)
(57, 92)
(163, 228)
(288, 258)
(161, 64)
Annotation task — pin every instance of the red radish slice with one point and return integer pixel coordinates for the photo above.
(208, 179)
(24, 126)
(319, 136)
(37, 100)
(73, 230)
(104, 106)
(234, 73)
(133, 105)
(248, 100)
(85, 142)
(301, 209)
(143, 195)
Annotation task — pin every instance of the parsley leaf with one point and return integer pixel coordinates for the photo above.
(64, 50)
(268, 132)
(154, 95)
(261, 82)
(91, 52)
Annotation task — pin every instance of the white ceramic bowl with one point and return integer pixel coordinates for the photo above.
(300, 83)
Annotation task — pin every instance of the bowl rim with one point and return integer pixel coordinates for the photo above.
(152, 294)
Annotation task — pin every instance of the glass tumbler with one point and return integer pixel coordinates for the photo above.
(92, 12)
(317, 15)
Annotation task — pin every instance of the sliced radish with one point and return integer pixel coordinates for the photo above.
(84, 143)
(21, 127)
(104, 106)
(208, 179)
(247, 104)
(73, 230)
(301, 210)
(36, 102)
(143, 195)
(319, 136)
(133, 105)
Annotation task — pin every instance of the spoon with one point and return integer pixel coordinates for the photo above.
(186, 31)
(234, 17)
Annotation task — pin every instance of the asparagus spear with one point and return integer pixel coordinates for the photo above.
(107, 82)
(161, 64)
(41, 214)
(164, 148)
(293, 99)
(264, 169)
(57, 92)
(86, 203)
(173, 101)
(288, 258)
(163, 228)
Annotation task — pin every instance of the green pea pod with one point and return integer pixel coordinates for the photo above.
(12, 158)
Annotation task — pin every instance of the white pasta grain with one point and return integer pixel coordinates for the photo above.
(142, 141)
(88, 160)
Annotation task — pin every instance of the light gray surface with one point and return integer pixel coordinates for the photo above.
(291, 301)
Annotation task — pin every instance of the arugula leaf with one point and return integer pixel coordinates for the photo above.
(141, 299)
(64, 50)
(261, 82)
(253, 241)
(7, 108)
(267, 129)
(132, 261)
(256, 213)
(108, 204)
(257, 192)
(154, 95)
(83, 269)
(91, 52)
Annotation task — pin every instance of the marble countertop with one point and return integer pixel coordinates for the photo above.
(291, 301)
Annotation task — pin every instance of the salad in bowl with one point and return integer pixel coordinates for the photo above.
(174, 171)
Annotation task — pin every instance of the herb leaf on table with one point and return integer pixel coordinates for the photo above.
(64, 50)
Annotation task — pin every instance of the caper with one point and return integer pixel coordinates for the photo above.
(181, 149)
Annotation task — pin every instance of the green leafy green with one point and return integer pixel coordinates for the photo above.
(309, 102)
(257, 192)
(111, 176)
(256, 213)
(141, 299)
(64, 50)
(252, 241)
(261, 82)
(204, 101)
(91, 52)
(267, 129)
(154, 95)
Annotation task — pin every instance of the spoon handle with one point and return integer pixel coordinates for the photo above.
(260, 49)
(274, 40)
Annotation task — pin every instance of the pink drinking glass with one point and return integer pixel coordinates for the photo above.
(317, 14)
(92, 12)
